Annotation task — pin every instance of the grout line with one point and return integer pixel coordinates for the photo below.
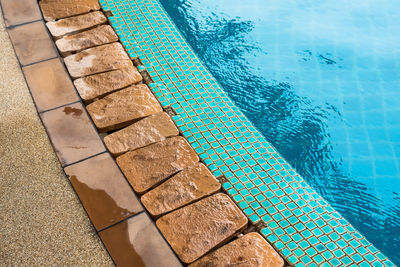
(123, 220)
(22, 24)
(40, 61)
(79, 161)
(63, 105)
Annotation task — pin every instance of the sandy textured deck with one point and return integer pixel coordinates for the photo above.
(42, 221)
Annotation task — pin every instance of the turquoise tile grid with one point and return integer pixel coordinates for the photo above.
(302, 227)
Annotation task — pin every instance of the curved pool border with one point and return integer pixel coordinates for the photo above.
(295, 219)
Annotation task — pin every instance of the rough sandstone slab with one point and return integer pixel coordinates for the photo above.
(189, 185)
(149, 130)
(194, 230)
(70, 25)
(97, 85)
(137, 242)
(100, 35)
(121, 108)
(57, 9)
(103, 190)
(148, 166)
(250, 250)
(98, 59)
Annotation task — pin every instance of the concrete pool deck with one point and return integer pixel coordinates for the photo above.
(42, 221)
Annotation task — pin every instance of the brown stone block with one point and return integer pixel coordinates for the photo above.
(97, 85)
(136, 242)
(250, 250)
(121, 108)
(148, 166)
(149, 130)
(57, 9)
(100, 35)
(32, 43)
(194, 230)
(20, 11)
(73, 136)
(74, 24)
(50, 84)
(189, 185)
(103, 190)
(98, 59)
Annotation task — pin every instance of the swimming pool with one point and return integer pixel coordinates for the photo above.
(321, 81)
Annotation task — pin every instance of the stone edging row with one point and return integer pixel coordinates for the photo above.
(158, 163)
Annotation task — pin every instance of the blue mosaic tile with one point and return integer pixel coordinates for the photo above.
(301, 226)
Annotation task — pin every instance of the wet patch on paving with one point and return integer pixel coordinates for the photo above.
(173, 137)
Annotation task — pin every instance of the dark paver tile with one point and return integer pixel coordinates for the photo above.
(97, 85)
(121, 108)
(148, 166)
(197, 228)
(32, 43)
(100, 35)
(103, 190)
(71, 25)
(136, 242)
(57, 9)
(98, 59)
(73, 136)
(251, 250)
(50, 84)
(20, 11)
(147, 131)
(189, 185)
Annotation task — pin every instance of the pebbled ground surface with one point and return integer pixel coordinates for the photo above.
(42, 221)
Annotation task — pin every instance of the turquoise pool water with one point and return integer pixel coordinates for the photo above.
(322, 82)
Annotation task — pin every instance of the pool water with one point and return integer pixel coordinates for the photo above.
(321, 81)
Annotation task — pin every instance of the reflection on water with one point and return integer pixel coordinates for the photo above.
(321, 81)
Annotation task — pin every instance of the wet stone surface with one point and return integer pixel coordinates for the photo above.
(147, 131)
(194, 230)
(100, 35)
(120, 108)
(32, 43)
(136, 242)
(57, 9)
(72, 134)
(98, 59)
(147, 167)
(189, 185)
(103, 190)
(49, 84)
(71, 25)
(97, 85)
(250, 250)
(20, 11)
